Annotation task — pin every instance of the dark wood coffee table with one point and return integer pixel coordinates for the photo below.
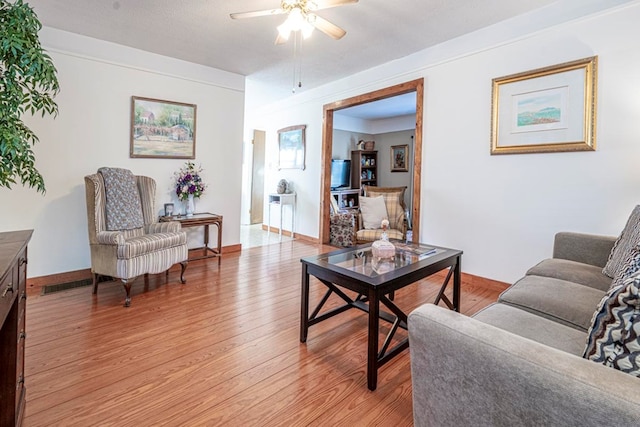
(351, 269)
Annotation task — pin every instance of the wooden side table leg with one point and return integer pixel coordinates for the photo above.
(219, 224)
(206, 239)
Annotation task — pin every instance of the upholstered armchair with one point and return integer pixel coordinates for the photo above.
(342, 228)
(125, 239)
(372, 212)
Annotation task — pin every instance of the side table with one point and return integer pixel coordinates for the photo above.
(202, 219)
(281, 200)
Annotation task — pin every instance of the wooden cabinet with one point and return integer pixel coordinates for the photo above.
(364, 168)
(345, 199)
(13, 299)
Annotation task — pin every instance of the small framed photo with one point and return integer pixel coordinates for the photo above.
(399, 158)
(168, 209)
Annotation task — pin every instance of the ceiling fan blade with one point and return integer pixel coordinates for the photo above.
(254, 14)
(326, 4)
(332, 30)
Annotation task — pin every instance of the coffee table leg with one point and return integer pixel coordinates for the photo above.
(456, 284)
(372, 356)
(304, 305)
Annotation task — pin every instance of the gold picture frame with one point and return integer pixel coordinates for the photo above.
(549, 109)
(399, 158)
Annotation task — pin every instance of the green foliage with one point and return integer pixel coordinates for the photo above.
(28, 84)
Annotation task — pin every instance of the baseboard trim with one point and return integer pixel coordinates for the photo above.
(35, 285)
(288, 233)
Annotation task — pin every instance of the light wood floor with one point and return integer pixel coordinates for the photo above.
(223, 349)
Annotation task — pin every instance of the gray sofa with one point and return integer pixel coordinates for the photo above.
(519, 361)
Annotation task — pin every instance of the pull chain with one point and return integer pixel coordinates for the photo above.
(297, 60)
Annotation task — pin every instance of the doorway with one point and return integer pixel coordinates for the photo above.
(416, 86)
(256, 212)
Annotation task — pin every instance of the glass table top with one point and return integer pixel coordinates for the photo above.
(360, 260)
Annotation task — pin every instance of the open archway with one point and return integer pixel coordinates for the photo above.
(416, 86)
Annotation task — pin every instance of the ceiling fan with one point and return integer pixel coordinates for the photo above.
(301, 17)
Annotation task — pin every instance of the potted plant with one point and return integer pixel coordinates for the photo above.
(28, 84)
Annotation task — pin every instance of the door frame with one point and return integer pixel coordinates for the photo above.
(416, 86)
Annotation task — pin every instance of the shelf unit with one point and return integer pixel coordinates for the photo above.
(364, 168)
(346, 199)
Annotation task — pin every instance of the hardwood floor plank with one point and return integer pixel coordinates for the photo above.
(222, 349)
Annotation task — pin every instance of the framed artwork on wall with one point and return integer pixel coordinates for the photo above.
(291, 147)
(545, 110)
(399, 158)
(162, 129)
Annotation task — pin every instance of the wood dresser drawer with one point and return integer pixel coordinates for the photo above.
(13, 292)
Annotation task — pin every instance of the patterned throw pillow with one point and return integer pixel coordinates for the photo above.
(629, 238)
(614, 335)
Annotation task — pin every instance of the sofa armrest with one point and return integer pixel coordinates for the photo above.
(585, 248)
(465, 372)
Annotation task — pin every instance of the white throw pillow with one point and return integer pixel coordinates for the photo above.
(373, 211)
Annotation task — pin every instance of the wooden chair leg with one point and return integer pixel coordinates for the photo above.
(95, 283)
(184, 267)
(127, 289)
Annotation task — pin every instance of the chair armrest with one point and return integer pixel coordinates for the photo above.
(110, 238)
(343, 218)
(584, 248)
(465, 372)
(162, 227)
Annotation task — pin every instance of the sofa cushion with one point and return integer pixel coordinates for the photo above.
(614, 335)
(572, 271)
(373, 211)
(629, 238)
(566, 302)
(533, 327)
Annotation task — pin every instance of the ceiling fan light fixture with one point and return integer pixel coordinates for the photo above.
(307, 30)
(284, 30)
(296, 21)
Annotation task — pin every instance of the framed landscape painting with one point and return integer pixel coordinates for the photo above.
(291, 144)
(162, 129)
(545, 110)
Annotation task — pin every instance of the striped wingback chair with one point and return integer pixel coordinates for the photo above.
(394, 203)
(122, 248)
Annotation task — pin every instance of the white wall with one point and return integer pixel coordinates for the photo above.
(97, 80)
(501, 210)
(386, 178)
(345, 141)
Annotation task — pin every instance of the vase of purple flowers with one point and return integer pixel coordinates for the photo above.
(189, 185)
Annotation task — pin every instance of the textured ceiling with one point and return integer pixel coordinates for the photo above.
(202, 32)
